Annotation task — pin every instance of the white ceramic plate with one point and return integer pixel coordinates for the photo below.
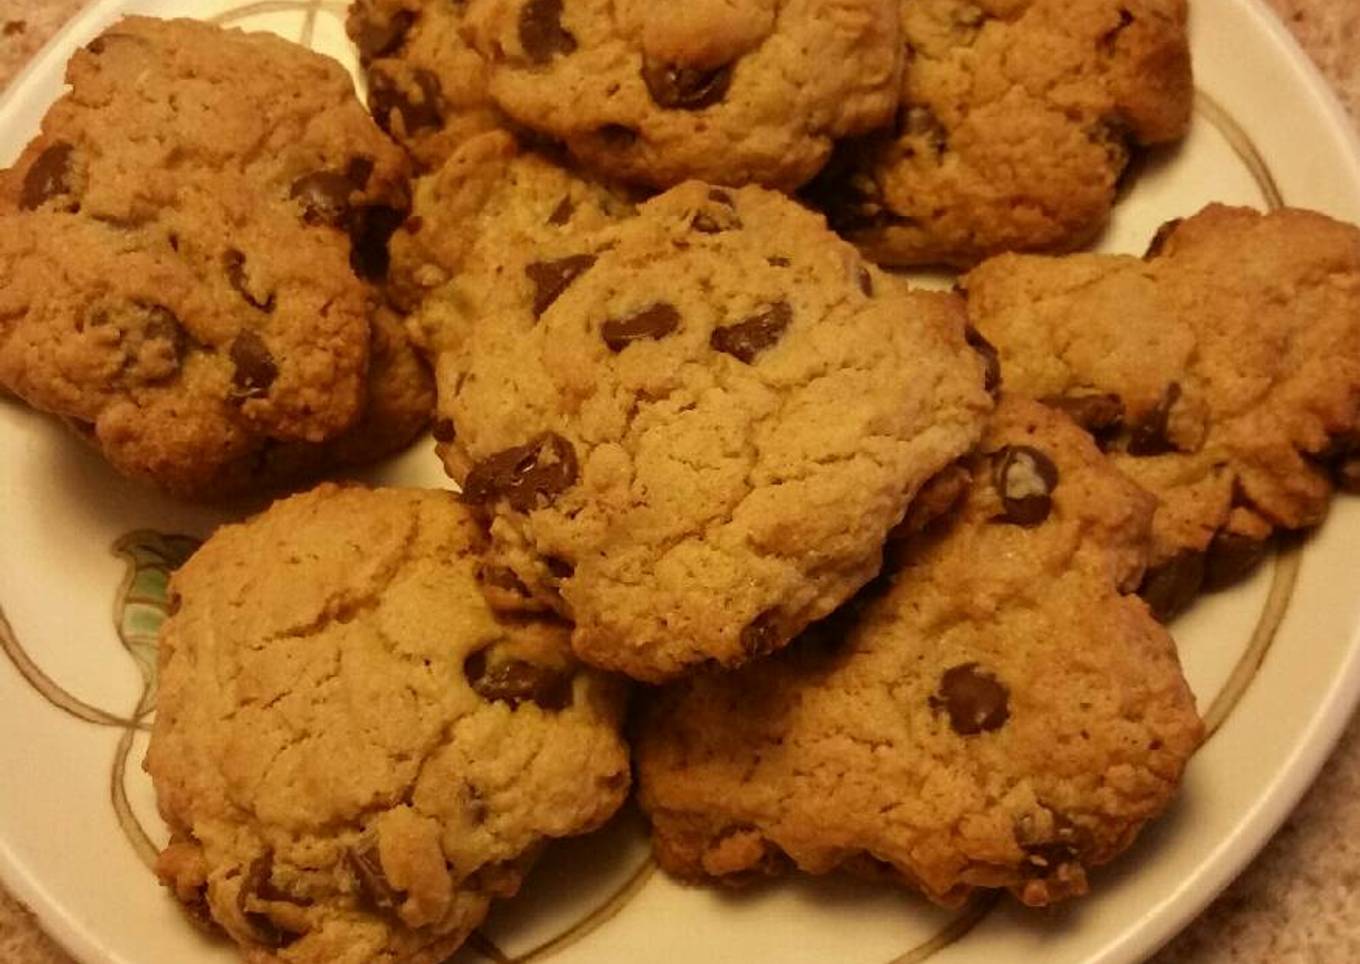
(1275, 663)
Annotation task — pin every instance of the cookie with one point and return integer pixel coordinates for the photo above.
(692, 431)
(997, 713)
(1222, 373)
(427, 87)
(187, 250)
(656, 93)
(489, 195)
(1018, 120)
(353, 754)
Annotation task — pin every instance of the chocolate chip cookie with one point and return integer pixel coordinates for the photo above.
(1222, 373)
(354, 755)
(491, 194)
(734, 93)
(996, 713)
(426, 85)
(693, 430)
(188, 248)
(1016, 124)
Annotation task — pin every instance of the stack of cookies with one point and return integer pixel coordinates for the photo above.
(891, 566)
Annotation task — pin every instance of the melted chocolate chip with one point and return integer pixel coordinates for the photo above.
(563, 212)
(255, 368)
(1231, 555)
(1043, 858)
(1159, 240)
(541, 33)
(358, 171)
(234, 263)
(1025, 478)
(974, 699)
(1172, 586)
(991, 359)
(369, 231)
(443, 430)
(517, 681)
(47, 177)
(764, 634)
(745, 340)
(527, 476)
(1097, 413)
(1148, 435)
(377, 890)
(378, 37)
(650, 324)
(417, 109)
(324, 196)
(685, 88)
(551, 278)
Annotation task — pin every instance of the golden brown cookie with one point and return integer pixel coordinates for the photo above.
(354, 755)
(1018, 119)
(997, 712)
(1222, 373)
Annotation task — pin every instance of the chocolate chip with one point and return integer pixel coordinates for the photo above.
(324, 196)
(563, 212)
(443, 430)
(1231, 555)
(358, 171)
(866, 282)
(418, 110)
(650, 324)
(527, 476)
(541, 33)
(255, 368)
(162, 324)
(778, 261)
(256, 885)
(1160, 239)
(517, 681)
(747, 339)
(764, 634)
(47, 177)
(1098, 413)
(1172, 586)
(380, 37)
(1148, 435)
(974, 699)
(685, 88)
(370, 230)
(551, 278)
(366, 862)
(1025, 479)
(234, 263)
(991, 359)
(1043, 858)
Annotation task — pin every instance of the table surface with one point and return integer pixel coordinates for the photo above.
(1300, 900)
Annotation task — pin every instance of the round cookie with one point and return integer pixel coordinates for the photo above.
(492, 193)
(1222, 373)
(354, 755)
(426, 85)
(1018, 120)
(693, 431)
(995, 713)
(186, 246)
(733, 93)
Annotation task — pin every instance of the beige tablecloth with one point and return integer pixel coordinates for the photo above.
(1299, 901)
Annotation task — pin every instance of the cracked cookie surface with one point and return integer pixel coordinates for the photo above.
(1222, 373)
(994, 713)
(1016, 124)
(186, 250)
(354, 755)
(754, 91)
(427, 86)
(693, 430)
(489, 195)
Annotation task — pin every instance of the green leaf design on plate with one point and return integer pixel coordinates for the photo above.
(143, 600)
